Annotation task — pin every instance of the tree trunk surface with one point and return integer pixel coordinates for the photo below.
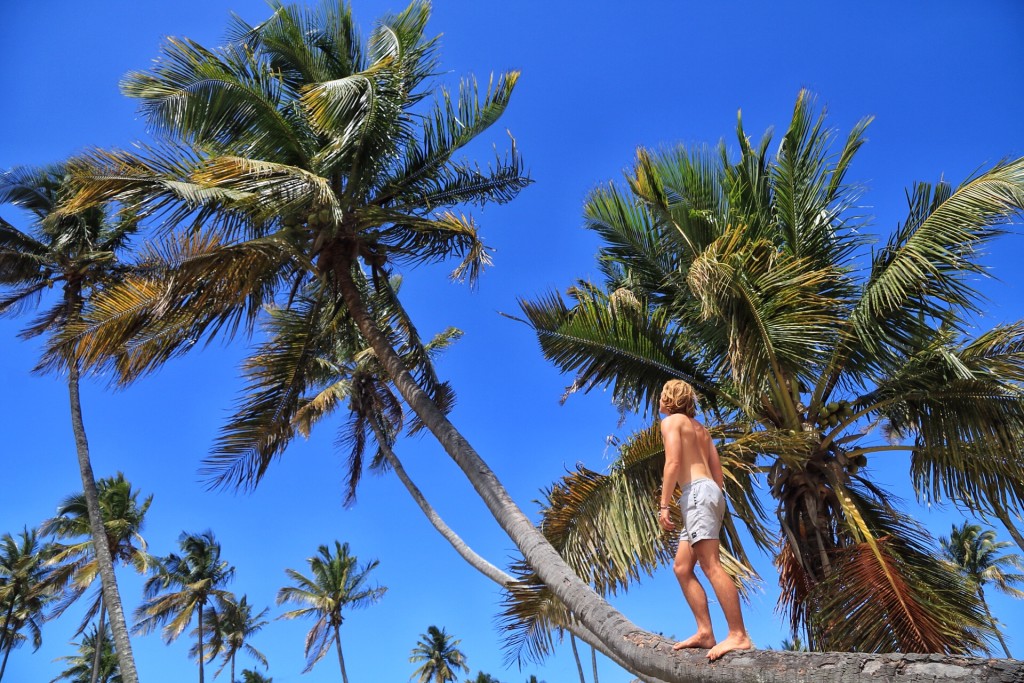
(108, 582)
(773, 666)
(644, 653)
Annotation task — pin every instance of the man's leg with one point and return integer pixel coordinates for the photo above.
(706, 552)
(695, 597)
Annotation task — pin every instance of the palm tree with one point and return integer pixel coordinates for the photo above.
(182, 587)
(337, 583)
(975, 555)
(249, 676)
(309, 173)
(439, 657)
(233, 624)
(481, 677)
(81, 667)
(78, 250)
(29, 584)
(123, 517)
(750, 277)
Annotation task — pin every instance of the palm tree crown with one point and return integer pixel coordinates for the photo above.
(29, 585)
(977, 556)
(439, 657)
(751, 278)
(181, 588)
(337, 583)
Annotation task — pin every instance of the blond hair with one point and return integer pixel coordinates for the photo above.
(679, 397)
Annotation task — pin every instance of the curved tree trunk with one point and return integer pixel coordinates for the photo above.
(101, 632)
(460, 546)
(1004, 517)
(108, 582)
(341, 657)
(576, 656)
(644, 652)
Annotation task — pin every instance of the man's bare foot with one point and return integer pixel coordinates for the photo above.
(735, 641)
(704, 640)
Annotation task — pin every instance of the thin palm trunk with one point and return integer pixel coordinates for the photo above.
(576, 656)
(468, 554)
(7, 653)
(992, 621)
(100, 633)
(111, 596)
(232, 667)
(201, 643)
(4, 645)
(593, 661)
(341, 657)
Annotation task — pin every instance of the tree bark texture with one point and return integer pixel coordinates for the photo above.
(104, 561)
(643, 652)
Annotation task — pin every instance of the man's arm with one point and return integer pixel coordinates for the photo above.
(673, 462)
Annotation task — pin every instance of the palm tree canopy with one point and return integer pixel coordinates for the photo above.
(978, 556)
(79, 667)
(183, 584)
(337, 583)
(123, 518)
(232, 625)
(29, 585)
(78, 250)
(439, 657)
(752, 277)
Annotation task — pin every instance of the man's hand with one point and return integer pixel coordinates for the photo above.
(664, 520)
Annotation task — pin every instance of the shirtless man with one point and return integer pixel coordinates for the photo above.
(691, 461)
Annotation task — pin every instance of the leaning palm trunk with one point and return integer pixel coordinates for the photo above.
(609, 626)
(645, 653)
(478, 562)
(108, 582)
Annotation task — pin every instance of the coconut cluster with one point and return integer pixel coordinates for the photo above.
(833, 413)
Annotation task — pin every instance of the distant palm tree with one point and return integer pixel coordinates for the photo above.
(123, 518)
(81, 666)
(232, 623)
(975, 554)
(440, 657)
(197, 574)
(337, 583)
(79, 251)
(249, 676)
(28, 584)
(481, 677)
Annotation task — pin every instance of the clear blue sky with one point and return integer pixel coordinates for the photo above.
(944, 79)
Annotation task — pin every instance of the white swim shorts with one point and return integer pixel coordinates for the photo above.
(703, 507)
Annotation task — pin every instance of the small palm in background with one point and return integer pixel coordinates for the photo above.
(976, 555)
